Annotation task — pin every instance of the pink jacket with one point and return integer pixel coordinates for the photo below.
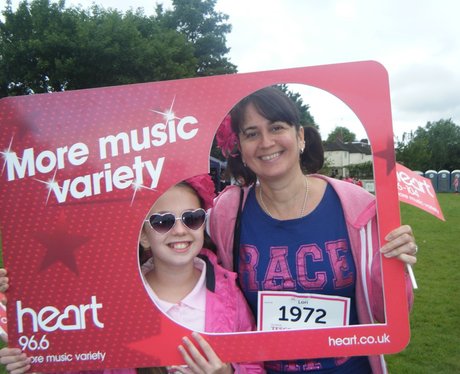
(226, 311)
(226, 307)
(360, 215)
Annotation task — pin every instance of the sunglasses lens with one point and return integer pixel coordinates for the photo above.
(195, 219)
(162, 223)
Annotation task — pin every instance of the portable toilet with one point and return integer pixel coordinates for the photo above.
(432, 175)
(454, 175)
(443, 181)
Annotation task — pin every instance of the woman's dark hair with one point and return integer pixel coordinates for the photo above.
(274, 105)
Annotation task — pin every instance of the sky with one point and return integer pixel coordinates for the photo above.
(417, 41)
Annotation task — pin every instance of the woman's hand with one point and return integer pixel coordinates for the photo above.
(14, 360)
(401, 244)
(210, 363)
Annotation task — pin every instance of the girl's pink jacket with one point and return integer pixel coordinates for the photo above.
(360, 215)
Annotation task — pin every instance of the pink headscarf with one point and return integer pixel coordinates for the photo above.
(204, 187)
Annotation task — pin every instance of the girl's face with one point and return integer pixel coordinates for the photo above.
(269, 149)
(180, 245)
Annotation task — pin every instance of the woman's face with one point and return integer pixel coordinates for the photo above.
(269, 149)
(180, 245)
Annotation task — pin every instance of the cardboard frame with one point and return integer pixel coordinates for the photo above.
(78, 257)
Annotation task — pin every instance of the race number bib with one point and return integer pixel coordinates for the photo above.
(279, 310)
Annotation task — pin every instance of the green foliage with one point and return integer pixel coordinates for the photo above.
(341, 133)
(364, 170)
(46, 47)
(306, 119)
(205, 29)
(436, 146)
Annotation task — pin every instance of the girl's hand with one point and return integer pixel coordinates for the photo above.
(3, 280)
(14, 360)
(401, 244)
(210, 363)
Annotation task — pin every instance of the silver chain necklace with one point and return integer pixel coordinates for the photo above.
(302, 211)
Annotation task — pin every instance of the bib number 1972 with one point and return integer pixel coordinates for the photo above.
(282, 310)
(295, 313)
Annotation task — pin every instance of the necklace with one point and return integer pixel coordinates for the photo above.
(304, 205)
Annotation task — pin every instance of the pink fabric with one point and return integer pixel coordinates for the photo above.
(190, 310)
(227, 310)
(359, 209)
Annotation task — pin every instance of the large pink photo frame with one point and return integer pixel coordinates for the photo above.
(77, 182)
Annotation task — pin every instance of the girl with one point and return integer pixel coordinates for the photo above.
(176, 278)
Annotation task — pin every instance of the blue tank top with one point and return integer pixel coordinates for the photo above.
(311, 254)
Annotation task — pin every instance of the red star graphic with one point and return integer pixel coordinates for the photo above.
(60, 245)
(149, 346)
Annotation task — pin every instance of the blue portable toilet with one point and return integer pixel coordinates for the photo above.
(432, 175)
(443, 181)
(454, 175)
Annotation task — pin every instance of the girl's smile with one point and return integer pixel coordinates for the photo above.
(180, 246)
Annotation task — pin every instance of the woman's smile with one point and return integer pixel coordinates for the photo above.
(269, 148)
(270, 156)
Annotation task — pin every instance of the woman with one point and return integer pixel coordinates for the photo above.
(297, 231)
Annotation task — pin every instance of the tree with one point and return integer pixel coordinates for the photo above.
(362, 171)
(306, 119)
(205, 29)
(47, 47)
(341, 133)
(436, 146)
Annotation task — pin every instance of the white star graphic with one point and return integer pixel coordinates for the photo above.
(169, 114)
(137, 186)
(7, 155)
(50, 185)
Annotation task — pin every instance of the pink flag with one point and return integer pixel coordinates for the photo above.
(418, 191)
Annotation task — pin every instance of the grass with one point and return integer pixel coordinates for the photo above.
(435, 318)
